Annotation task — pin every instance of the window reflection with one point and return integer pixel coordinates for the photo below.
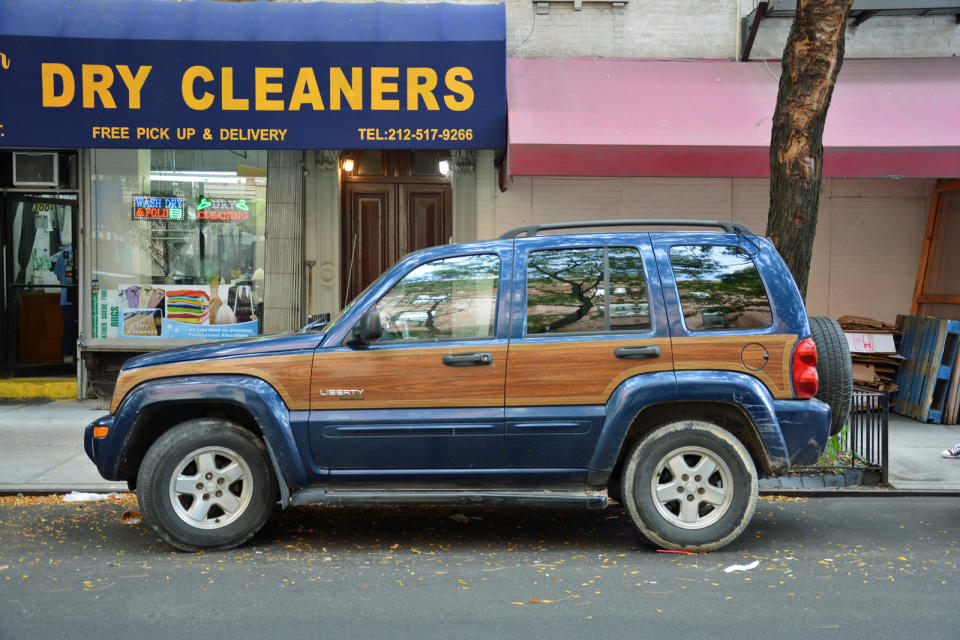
(720, 288)
(567, 291)
(454, 298)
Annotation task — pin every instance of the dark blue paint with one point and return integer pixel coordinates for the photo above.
(740, 389)
(624, 404)
(253, 394)
(561, 436)
(460, 438)
(258, 346)
(463, 478)
(805, 425)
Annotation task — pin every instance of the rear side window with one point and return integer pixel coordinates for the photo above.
(597, 289)
(720, 288)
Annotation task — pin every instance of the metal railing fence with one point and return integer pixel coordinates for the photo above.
(867, 439)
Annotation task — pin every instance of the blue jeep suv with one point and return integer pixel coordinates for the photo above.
(665, 370)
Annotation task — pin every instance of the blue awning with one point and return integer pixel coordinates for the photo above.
(205, 20)
(96, 73)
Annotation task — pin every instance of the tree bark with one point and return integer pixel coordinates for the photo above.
(811, 61)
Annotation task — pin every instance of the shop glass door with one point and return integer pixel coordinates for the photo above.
(39, 314)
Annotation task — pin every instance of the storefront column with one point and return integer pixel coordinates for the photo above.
(323, 233)
(283, 286)
(463, 167)
(487, 185)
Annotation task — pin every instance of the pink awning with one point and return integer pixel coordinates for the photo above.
(614, 117)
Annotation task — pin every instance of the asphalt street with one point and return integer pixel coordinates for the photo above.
(828, 567)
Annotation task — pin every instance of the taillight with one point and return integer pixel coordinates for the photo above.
(805, 379)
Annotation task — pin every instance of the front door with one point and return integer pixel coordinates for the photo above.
(392, 203)
(428, 394)
(39, 315)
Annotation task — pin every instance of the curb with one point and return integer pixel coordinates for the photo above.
(12, 490)
(34, 388)
(888, 492)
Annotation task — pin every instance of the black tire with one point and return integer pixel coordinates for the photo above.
(718, 505)
(834, 368)
(206, 484)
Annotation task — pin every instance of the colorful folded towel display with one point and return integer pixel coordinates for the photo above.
(188, 305)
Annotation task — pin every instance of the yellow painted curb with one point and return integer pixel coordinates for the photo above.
(23, 388)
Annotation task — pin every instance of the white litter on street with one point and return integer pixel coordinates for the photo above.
(742, 567)
(81, 496)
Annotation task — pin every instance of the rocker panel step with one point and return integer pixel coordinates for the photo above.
(543, 498)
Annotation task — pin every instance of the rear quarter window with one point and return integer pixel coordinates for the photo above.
(720, 288)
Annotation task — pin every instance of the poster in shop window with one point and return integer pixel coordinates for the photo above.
(210, 312)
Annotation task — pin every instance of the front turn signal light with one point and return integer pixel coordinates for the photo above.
(100, 432)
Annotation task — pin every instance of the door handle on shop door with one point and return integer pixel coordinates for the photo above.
(467, 359)
(650, 351)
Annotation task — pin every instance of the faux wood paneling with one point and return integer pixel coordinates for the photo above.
(288, 374)
(725, 353)
(571, 373)
(407, 377)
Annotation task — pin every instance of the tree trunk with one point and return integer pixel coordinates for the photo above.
(811, 62)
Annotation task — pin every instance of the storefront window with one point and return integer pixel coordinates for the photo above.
(178, 242)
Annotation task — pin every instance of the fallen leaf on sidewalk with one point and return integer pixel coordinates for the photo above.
(131, 517)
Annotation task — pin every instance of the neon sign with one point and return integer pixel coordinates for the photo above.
(158, 207)
(223, 210)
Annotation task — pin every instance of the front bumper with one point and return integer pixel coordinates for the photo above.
(95, 447)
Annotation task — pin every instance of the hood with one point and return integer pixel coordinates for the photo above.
(260, 345)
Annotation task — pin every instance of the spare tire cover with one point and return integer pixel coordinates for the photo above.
(834, 369)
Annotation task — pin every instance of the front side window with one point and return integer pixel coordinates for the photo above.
(720, 288)
(449, 299)
(586, 291)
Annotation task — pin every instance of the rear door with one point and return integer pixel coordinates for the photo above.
(588, 314)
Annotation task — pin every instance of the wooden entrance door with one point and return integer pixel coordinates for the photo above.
(392, 203)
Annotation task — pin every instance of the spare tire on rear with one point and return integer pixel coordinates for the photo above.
(834, 369)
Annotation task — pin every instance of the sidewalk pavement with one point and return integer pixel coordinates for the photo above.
(41, 450)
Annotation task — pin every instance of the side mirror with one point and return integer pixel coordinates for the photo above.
(367, 329)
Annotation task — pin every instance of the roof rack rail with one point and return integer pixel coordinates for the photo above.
(729, 227)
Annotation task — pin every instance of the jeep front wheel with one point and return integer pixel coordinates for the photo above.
(691, 486)
(206, 484)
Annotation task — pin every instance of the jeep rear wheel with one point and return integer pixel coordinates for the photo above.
(206, 484)
(691, 486)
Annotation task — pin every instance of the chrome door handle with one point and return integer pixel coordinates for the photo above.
(650, 351)
(467, 359)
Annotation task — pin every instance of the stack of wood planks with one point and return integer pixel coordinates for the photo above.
(874, 354)
(929, 381)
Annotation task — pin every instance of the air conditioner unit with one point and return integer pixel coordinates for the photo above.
(35, 169)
